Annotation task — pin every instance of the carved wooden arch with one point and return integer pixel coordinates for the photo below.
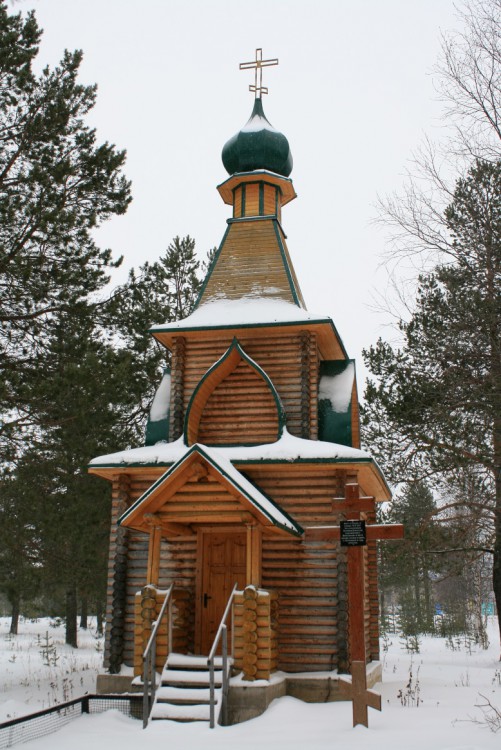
(215, 375)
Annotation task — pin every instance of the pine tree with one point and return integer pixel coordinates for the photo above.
(85, 402)
(56, 186)
(181, 273)
(19, 548)
(407, 569)
(435, 406)
(158, 292)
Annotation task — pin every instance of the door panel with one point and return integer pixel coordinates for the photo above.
(223, 565)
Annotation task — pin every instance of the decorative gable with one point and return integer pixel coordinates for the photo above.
(235, 403)
(203, 487)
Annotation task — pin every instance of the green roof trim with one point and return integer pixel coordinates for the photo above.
(156, 431)
(295, 295)
(235, 346)
(159, 429)
(257, 173)
(245, 461)
(334, 413)
(211, 268)
(241, 326)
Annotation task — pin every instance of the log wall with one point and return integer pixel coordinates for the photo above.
(308, 578)
(241, 409)
(305, 575)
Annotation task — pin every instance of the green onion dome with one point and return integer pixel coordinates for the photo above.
(258, 146)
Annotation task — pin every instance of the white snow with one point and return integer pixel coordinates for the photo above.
(160, 405)
(182, 713)
(288, 448)
(200, 662)
(245, 311)
(30, 680)
(181, 677)
(256, 123)
(338, 388)
(241, 484)
(188, 694)
(450, 684)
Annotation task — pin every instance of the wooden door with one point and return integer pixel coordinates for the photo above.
(223, 565)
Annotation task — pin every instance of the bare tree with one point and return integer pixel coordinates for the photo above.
(469, 80)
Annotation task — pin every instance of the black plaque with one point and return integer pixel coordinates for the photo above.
(353, 534)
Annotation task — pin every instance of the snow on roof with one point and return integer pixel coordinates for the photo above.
(258, 122)
(160, 406)
(243, 485)
(245, 311)
(224, 466)
(338, 388)
(288, 448)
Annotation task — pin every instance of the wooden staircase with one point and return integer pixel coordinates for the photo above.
(184, 693)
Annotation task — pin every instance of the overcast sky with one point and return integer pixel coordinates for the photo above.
(354, 94)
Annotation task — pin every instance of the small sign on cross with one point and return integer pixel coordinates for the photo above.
(355, 537)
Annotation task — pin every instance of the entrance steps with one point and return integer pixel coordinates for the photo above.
(184, 693)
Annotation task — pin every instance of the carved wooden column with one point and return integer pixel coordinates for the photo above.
(116, 620)
(154, 549)
(305, 385)
(256, 633)
(309, 385)
(177, 389)
(254, 537)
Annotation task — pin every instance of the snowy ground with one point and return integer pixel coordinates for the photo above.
(435, 711)
(38, 670)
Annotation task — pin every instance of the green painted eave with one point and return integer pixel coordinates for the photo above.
(246, 326)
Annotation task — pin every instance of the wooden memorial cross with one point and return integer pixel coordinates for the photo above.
(258, 64)
(354, 534)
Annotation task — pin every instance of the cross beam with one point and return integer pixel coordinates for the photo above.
(357, 692)
(258, 64)
(353, 506)
(375, 532)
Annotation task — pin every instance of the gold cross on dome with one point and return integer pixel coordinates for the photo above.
(258, 64)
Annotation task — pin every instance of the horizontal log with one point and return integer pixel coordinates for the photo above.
(374, 532)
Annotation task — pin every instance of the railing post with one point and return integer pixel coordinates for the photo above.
(169, 626)
(211, 689)
(232, 654)
(146, 712)
(150, 656)
(153, 672)
(222, 631)
(225, 673)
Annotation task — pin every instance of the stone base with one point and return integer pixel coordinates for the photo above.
(248, 701)
(114, 683)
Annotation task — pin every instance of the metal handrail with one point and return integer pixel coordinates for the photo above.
(149, 656)
(222, 632)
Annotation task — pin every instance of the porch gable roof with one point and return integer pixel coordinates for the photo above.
(251, 499)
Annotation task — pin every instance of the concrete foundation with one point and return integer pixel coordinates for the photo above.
(248, 701)
(114, 683)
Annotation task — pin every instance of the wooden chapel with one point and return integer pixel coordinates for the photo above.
(253, 438)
